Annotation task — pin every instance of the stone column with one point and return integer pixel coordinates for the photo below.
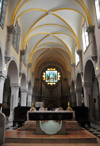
(22, 52)
(33, 82)
(10, 32)
(23, 97)
(73, 68)
(91, 32)
(73, 99)
(2, 80)
(88, 99)
(33, 74)
(29, 99)
(79, 52)
(13, 99)
(28, 71)
(78, 97)
(98, 77)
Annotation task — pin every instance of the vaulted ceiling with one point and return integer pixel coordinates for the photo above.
(50, 28)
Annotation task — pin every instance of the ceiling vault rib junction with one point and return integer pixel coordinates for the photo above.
(49, 28)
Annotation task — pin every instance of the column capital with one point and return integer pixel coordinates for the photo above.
(29, 93)
(90, 29)
(29, 65)
(87, 85)
(24, 90)
(7, 58)
(22, 52)
(79, 52)
(73, 64)
(14, 85)
(2, 76)
(11, 29)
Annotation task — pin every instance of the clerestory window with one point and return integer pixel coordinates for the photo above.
(97, 7)
(3, 6)
(85, 37)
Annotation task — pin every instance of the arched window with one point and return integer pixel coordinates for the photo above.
(97, 7)
(3, 6)
(16, 37)
(0, 7)
(25, 56)
(76, 55)
(85, 37)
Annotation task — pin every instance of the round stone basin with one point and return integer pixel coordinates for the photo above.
(50, 127)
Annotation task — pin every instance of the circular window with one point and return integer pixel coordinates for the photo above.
(51, 76)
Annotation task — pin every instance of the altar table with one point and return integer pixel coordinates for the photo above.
(53, 121)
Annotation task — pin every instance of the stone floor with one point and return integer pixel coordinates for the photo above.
(94, 129)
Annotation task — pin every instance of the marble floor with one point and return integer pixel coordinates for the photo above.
(94, 129)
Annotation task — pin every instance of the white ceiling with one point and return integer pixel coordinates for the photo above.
(50, 24)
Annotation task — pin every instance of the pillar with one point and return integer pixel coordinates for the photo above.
(88, 99)
(2, 80)
(73, 68)
(33, 79)
(73, 99)
(23, 97)
(78, 97)
(10, 32)
(28, 71)
(79, 52)
(22, 52)
(29, 99)
(98, 77)
(13, 99)
(91, 32)
(33, 74)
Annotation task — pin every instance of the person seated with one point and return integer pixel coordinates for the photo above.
(41, 109)
(59, 108)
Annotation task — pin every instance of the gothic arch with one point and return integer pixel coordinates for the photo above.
(89, 71)
(30, 87)
(78, 82)
(23, 82)
(72, 87)
(12, 71)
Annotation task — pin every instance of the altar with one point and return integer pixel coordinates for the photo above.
(50, 122)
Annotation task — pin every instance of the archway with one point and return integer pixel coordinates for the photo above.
(11, 88)
(29, 94)
(23, 90)
(79, 99)
(91, 91)
(95, 99)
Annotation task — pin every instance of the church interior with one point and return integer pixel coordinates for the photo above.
(50, 72)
